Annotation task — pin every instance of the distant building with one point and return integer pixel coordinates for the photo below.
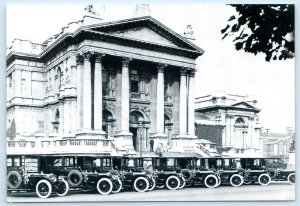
(277, 144)
(230, 121)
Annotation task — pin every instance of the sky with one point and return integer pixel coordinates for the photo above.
(220, 68)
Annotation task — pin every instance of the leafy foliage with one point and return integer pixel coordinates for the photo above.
(11, 131)
(260, 28)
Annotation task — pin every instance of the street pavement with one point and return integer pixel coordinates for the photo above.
(272, 192)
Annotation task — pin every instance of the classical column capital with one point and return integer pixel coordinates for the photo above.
(183, 71)
(98, 57)
(87, 56)
(192, 72)
(125, 61)
(161, 68)
(79, 59)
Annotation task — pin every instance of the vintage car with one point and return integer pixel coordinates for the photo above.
(167, 172)
(23, 175)
(199, 171)
(254, 170)
(278, 171)
(134, 174)
(227, 170)
(78, 170)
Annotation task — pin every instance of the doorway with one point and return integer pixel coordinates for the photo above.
(133, 130)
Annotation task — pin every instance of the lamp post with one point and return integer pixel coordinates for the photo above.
(141, 137)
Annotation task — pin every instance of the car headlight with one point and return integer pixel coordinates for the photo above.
(114, 177)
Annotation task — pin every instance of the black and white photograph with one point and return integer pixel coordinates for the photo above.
(162, 102)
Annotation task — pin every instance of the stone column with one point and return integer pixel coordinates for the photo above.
(61, 118)
(17, 83)
(98, 93)
(125, 96)
(79, 79)
(160, 102)
(183, 103)
(67, 117)
(191, 112)
(87, 92)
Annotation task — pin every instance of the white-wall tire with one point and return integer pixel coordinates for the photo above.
(120, 185)
(236, 180)
(141, 184)
(264, 179)
(152, 185)
(104, 186)
(211, 181)
(43, 189)
(173, 183)
(291, 178)
(182, 183)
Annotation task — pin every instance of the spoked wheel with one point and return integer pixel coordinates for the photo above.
(211, 181)
(182, 183)
(236, 180)
(264, 179)
(62, 188)
(14, 180)
(117, 186)
(219, 182)
(152, 184)
(291, 178)
(173, 183)
(104, 186)
(141, 184)
(43, 189)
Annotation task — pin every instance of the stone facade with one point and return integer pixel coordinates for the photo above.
(113, 84)
(229, 121)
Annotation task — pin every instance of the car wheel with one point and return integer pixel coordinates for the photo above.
(182, 183)
(236, 180)
(75, 178)
(152, 184)
(104, 186)
(117, 186)
(14, 180)
(173, 183)
(211, 181)
(141, 184)
(62, 188)
(264, 179)
(43, 189)
(291, 178)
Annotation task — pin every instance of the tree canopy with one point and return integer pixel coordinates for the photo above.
(261, 28)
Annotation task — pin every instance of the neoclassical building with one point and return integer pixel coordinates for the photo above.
(102, 87)
(231, 122)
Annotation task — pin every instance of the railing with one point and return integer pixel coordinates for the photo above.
(203, 149)
(53, 146)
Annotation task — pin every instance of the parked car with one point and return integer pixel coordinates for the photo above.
(23, 175)
(78, 175)
(254, 170)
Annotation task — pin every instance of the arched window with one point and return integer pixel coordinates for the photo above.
(239, 122)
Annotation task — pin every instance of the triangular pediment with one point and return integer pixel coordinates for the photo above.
(148, 30)
(144, 34)
(243, 105)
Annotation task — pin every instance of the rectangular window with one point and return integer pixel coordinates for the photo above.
(170, 162)
(17, 162)
(134, 86)
(9, 162)
(106, 162)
